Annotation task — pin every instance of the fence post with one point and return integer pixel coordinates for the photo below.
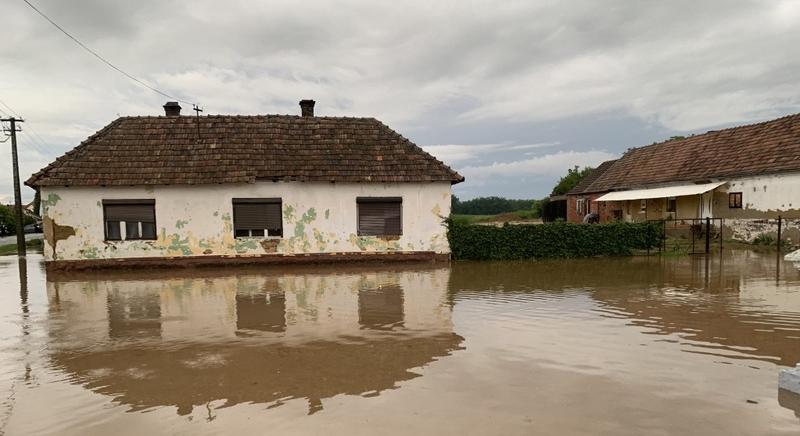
(708, 235)
(779, 233)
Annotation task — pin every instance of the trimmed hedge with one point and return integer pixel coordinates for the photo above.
(478, 242)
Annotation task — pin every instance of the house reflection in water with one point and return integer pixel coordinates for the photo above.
(245, 336)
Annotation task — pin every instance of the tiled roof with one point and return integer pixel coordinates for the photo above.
(763, 148)
(242, 149)
(583, 186)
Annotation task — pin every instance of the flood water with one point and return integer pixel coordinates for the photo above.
(636, 346)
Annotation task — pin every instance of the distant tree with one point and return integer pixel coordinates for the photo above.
(37, 203)
(573, 177)
(455, 204)
(8, 221)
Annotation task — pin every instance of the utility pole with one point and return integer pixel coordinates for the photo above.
(12, 131)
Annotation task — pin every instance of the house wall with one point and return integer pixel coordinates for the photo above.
(197, 220)
(603, 208)
(763, 197)
(631, 210)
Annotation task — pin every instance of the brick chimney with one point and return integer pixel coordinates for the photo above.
(307, 108)
(172, 109)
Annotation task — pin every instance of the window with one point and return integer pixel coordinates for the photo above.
(735, 200)
(672, 204)
(127, 220)
(257, 217)
(380, 216)
(580, 206)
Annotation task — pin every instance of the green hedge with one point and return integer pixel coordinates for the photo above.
(478, 242)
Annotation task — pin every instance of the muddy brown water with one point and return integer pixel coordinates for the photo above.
(597, 346)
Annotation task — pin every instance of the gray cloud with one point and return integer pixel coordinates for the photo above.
(485, 79)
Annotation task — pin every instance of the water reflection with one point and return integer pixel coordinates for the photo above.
(726, 305)
(592, 346)
(264, 311)
(156, 339)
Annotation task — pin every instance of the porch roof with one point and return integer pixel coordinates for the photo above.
(663, 192)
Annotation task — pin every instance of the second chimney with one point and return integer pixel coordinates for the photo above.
(307, 108)
(172, 109)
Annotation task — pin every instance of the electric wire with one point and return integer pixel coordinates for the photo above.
(101, 58)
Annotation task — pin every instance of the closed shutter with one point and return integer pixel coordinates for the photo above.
(257, 214)
(380, 217)
(145, 213)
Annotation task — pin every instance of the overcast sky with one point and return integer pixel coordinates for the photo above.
(510, 94)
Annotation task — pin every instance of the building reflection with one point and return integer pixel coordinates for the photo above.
(381, 308)
(248, 336)
(264, 312)
(133, 315)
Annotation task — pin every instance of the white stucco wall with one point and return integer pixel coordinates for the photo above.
(770, 193)
(197, 220)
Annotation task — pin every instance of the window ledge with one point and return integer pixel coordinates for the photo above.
(115, 241)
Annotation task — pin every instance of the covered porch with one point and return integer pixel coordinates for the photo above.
(686, 201)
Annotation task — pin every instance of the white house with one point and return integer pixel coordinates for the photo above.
(748, 176)
(178, 189)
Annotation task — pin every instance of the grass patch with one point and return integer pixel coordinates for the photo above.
(11, 249)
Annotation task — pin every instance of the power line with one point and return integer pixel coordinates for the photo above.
(102, 59)
(36, 140)
(9, 108)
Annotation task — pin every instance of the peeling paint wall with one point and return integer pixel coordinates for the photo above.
(762, 197)
(197, 220)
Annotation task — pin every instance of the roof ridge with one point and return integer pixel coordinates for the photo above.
(765, 147)
(726, 129)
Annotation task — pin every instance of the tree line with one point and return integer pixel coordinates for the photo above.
(495, 205)
(489, 205)
(8, 220)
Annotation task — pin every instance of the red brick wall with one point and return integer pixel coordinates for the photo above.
(603, 208)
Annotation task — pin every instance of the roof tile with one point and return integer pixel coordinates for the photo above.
(237, 149)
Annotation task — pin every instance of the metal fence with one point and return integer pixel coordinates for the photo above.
(691, 235)
(702, 235)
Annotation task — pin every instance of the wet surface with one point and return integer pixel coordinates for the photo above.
(595, 346)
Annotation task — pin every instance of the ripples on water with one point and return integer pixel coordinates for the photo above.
(595, 346)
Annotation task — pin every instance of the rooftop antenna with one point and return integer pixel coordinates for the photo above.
(197, 110)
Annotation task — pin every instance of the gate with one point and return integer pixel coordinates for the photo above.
(690, 235)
